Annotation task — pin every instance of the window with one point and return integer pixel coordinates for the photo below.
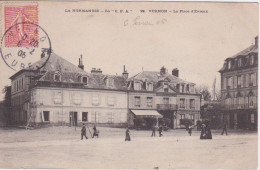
(251, 100)
(137, 85)
(182, 103)
(110, 117)
(239, 81)
(182, 116)
(110, 100)
(95, 117)
(192, 103)
(166, 100)
(57, 98)
(149, 87)
(85, 79)
(137, 101)
(149, 102)
(16, 85)
(22, 82)
(192, 117)
(182, 88)
(110, 82)
(77, 98)
(239, 62)
(252, 118)
(192, 88)
(46, 116)
(229, 82)
(165, 87)
(57, 77)
(95, 99)
(229, 64)
(251, 60)
(85, 116)
(187, 88)
(252, 79)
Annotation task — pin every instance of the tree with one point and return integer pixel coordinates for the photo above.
(204, 91)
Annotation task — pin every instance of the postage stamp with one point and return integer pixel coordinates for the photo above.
(21, 33)
(24, 42)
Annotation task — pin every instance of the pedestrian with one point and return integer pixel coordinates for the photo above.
(190, 130)
(127, 135)
(83, 132)
(153, 131)
(96, 132)
(203, 132)
(160, 130)
(224, 129)
(208, 132)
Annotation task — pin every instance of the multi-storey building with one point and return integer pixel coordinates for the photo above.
(152, 92)
(62, 93)
(239, 88)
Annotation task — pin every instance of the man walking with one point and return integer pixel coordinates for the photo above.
(83, 132)
(153, 130)
(160, 130)
(224, 129)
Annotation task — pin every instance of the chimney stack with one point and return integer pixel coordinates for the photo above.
(81, 63)
(125, 73)
(163, 70)
(175, 72)
(256, 41)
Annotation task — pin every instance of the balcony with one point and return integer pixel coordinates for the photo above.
(239, 106)
(167, 107)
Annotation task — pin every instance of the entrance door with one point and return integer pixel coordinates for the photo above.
(73, 118)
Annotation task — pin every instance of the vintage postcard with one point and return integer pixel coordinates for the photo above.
(128, 85)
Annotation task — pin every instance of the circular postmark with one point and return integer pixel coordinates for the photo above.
(23, 44)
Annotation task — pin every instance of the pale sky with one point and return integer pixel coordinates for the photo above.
(196, 44)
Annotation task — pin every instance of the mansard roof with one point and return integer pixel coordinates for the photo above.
(70, 73)
(155, 77)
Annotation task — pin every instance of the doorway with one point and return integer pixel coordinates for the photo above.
(73, 118)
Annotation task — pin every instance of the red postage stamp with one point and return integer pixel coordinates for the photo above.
(21, 34)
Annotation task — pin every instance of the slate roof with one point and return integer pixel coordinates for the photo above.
(251, 49)
(72, 74)
(155, 77)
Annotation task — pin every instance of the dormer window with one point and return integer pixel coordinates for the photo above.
(229, 64)
(137, 85)
(84, 79)
(57, 76)
(165, 87)
(110, 82)
(251, 60)
(149, 86)
(239, 62)
(192, 88)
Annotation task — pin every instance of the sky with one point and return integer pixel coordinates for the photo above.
(195, 43)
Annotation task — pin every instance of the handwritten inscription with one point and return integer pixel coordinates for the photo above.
(138, 21)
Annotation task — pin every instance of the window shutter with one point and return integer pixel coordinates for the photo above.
(254, 81)
(235, 82)
(242, 80)
(247, 80)
(51, 114)
(225, 82)
(231, 82)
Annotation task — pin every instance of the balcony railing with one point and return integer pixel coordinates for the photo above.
(167, 107)
(239, 106)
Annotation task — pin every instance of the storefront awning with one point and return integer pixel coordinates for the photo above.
(147, 113)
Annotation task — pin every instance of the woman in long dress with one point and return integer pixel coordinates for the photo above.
(127, 135)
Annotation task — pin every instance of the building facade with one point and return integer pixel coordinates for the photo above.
(62, 93)
(239, 88)
(170, 96)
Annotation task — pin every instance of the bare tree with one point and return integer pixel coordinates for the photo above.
(204, 91)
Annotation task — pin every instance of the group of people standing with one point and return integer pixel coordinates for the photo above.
(205, 131)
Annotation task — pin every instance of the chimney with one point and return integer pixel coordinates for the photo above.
(163, 70)
(175, 72)
(256, 41)
(96, 71)
(81, 63)
(125, 73)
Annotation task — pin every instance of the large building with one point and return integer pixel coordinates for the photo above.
(239, 88)
(62, 93)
